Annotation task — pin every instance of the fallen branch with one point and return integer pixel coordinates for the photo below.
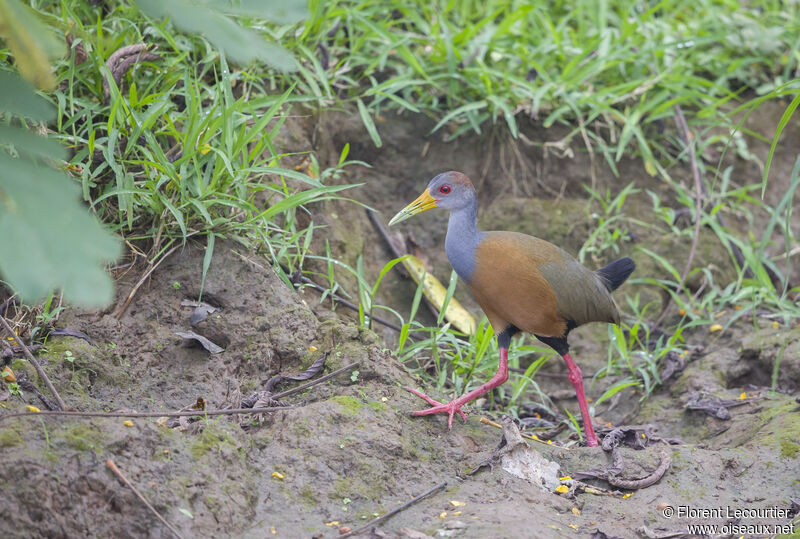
(113, 467)
(312, 383)
(122, 60)
(35, 363)
(190, 413)
(207, 413)
(393, 512)
(644, 482)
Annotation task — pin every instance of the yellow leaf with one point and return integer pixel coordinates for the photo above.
(715, 328)
(32, 408)
(456, 503)
(8, 374)
(561, 489)
(205, 148)
(278, 475)
(30, 42)
(128, 423)
(433, 289)
(650, 167)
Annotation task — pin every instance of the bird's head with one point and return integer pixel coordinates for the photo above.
(449, 190)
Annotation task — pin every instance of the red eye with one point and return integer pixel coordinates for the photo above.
(445, 189)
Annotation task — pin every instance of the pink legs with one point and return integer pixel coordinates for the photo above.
(577, 380)
(454, 406)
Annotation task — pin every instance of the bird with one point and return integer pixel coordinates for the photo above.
(522, 284)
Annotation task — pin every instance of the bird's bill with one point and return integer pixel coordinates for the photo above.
(424, 202)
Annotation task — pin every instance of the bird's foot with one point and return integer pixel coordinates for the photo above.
(450, 408)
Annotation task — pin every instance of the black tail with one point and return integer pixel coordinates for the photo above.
(615, 273)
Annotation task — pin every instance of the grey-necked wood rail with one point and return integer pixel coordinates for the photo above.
(522, 283)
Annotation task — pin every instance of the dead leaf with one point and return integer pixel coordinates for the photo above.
(201, 311)
(8, 374)
(68, 332)
(207, 344)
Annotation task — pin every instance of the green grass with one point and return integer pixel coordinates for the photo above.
(185, 148)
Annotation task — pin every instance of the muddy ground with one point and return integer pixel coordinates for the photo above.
(352, 452)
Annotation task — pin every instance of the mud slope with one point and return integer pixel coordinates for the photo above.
(350, 453)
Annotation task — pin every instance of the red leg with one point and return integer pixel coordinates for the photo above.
(576, 378)
(454, 406)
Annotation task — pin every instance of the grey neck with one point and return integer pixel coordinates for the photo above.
(463, 238)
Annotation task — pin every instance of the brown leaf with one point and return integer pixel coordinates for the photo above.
(206, 343)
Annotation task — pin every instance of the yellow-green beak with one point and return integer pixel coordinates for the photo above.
(424, 202)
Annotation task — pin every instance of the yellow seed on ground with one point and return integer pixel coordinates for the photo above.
(313, 348)
(128, 423)
(384, 399)
(715, 328)
(628, 495)
(456, 513)
(561, 489)
(576, 511)
(443, 514)
(166, 451)
(273, 531)
(278, 475)
(743, 396)
(573, 526)
(32, 408)
(456, 503)
(775, 324)
(332, 523)
(565, 478)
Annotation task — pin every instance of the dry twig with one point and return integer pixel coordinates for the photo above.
(113, 467)
(121, 310)
(393, 512)
(35, 363)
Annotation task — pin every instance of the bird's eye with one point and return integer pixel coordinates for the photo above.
(445, 189)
